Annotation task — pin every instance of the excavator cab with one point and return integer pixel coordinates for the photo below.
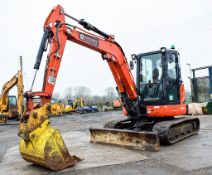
(13, 106)
(158, 77)
(12, 100)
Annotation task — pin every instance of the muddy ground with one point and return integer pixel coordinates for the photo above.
(191, 156)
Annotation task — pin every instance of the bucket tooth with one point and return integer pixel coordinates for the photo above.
(126, 138)
(44, 145)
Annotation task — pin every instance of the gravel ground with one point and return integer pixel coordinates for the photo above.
(191, 156)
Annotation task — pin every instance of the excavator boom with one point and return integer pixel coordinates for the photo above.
(51, 147)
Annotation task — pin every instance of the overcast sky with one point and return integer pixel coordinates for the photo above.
(138, 26)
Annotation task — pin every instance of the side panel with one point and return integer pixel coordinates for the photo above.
(166, 110)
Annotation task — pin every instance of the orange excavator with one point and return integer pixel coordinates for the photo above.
(151, 103)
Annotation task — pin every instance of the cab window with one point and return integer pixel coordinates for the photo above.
(172, 71)
(172, 87)
(12, 101)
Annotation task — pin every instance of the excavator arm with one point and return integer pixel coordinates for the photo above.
(20, 93)
(79, 102)
(57, 32)
(40, 143)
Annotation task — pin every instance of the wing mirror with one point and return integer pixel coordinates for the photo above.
(134, 58)
(131, 64)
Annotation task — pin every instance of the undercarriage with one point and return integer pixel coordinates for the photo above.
(146, 134)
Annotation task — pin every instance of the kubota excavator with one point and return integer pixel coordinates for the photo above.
(10, 106)
(151, 103)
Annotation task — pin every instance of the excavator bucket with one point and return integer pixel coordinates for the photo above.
(44, 146)
(148, 141)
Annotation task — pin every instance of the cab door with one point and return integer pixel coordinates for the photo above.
(173, 78)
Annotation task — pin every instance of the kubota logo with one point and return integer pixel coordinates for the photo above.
(89, 39)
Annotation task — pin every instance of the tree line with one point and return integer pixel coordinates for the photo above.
(82, 91)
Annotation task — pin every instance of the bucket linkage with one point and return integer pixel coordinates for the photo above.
(41, 144)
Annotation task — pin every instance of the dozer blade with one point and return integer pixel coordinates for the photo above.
(126, 138)
(47, 148)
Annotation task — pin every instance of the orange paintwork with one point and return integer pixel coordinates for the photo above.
(111, 51)
(169, 110)
(124, 111)
(166, 110)
(117, 103)
(182, 94)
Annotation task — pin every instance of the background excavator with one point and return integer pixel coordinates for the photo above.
(150, 103)
(10, 105)
(76, 105)
(57, 108)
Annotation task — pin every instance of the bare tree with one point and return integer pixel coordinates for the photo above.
(110, 93)
(68, 93)
(56, 96)
(85, 93)
(82, 91)
(96, 99)
(104, 99)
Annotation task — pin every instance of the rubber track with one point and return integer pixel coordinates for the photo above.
(164, 127)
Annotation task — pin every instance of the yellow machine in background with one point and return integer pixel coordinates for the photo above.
(10, 106)
(77, 103)
(74, 105)
(57, 108)
(68, 109)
